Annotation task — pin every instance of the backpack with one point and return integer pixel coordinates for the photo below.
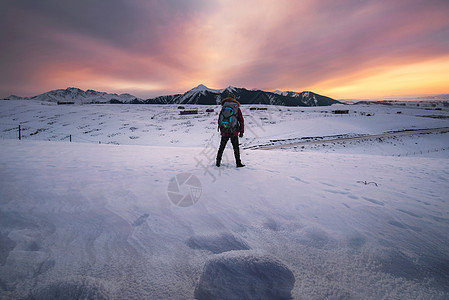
(227, 121)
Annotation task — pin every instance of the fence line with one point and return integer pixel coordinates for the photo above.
(421, 152)
(22, 132)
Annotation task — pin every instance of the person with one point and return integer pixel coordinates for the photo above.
(234, 136)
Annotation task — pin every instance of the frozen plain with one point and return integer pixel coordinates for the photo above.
(367, 220)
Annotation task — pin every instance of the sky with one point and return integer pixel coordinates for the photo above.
(345, 49)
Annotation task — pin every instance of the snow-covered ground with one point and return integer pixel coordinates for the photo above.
(368, 220)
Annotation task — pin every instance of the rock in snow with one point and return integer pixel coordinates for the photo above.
(238, 275)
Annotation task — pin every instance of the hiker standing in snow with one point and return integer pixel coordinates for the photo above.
(231, 124)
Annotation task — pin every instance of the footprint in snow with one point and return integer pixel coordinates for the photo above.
(140, 220)
(373, 201)
(299, 179)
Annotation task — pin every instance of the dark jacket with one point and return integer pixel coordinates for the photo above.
(241, 122)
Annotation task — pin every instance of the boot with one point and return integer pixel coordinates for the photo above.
(218, 163)
(235, 144)
(239, 164)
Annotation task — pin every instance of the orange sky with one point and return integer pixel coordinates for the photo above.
(342, 49)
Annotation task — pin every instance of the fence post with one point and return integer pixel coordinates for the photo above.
(20, 136)
(70, 138)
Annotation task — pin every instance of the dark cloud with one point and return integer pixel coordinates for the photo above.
(37, 34)
(118, 22)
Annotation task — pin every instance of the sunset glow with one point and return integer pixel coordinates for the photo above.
(342, 49)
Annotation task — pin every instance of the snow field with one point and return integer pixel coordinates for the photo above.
(101, 213)
(349, 221)
(162, 125)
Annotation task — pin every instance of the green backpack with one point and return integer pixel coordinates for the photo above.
(227, 121)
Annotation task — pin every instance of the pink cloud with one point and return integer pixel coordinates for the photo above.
(165, 47)
(334, 41)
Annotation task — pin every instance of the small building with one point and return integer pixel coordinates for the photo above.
(341, 111)
(189, 112)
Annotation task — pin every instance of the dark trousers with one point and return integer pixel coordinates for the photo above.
(235, 145)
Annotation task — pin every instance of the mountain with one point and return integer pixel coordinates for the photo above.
(204, 95)
(435, 97)
(79, 96)
(199, 95)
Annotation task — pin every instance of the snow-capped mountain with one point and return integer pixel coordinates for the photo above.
(79, 96)
(438, 97)
(306, 97)
(199, 95)
(204, 95)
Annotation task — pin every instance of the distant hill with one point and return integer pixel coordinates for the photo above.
(199, 95)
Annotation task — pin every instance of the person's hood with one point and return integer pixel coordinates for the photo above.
(229, 99)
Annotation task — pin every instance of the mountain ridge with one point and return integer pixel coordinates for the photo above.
(200, 95)
(203, 95)
(78, 96)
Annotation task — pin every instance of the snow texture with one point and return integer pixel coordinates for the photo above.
(351, 220)
(217, 244)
